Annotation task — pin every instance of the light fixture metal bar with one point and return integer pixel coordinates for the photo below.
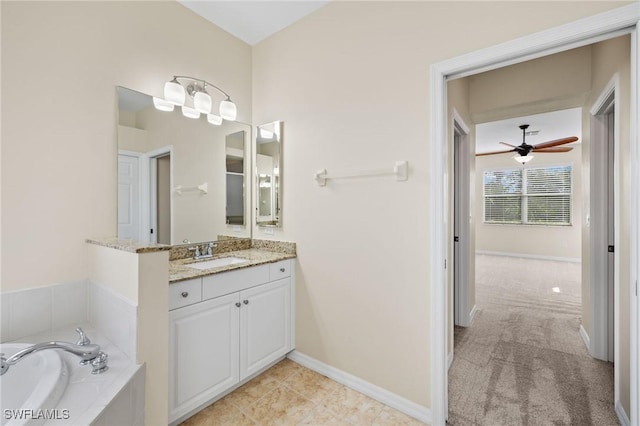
(204, 82)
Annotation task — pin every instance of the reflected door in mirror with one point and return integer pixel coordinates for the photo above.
(268, 174)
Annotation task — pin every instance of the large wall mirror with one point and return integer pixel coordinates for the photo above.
(268, 174)
(180, 179)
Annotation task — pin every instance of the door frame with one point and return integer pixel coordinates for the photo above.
(462, 313)
(598, 222)
(620, 21)
(149, 197)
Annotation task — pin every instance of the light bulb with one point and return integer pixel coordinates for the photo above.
(228, 110)
(174, 92)
(202, 102)
(162, 105)
(214, 119)
(190, 112)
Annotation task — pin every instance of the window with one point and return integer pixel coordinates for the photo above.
(535, 196)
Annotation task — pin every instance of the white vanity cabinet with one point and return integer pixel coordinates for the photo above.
(242, 324)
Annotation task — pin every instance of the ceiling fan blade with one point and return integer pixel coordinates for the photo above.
(508, 144)
(494, 152)
(556, 149)
(555, 142)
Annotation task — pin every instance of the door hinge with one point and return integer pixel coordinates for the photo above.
(445, 264)
(610, 249)
(636, 288)
(152, 230)
(456, 239)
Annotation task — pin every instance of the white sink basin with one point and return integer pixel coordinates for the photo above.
(216, 263)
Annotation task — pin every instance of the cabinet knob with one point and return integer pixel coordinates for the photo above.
(281, 269)
(238, 304)
(185, 294)
(246, 302)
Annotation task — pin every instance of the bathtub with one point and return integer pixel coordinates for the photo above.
(50, 388)
(30, 390)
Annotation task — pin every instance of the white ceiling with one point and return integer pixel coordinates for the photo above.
(253, 21)
(552, 125)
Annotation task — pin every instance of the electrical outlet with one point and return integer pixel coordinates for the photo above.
(268, 231)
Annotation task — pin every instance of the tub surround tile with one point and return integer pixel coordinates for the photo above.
(114, 317)
(5, 306)
(69, 305)
(131, 246)
(30, 312)
(179, 272)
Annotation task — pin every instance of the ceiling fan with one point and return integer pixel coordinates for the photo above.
(523, 150)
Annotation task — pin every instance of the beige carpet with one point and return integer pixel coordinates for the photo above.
(522, 362)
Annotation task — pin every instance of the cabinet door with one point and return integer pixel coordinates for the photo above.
(203, 352)
(265, 325)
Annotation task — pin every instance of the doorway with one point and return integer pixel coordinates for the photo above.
(580, 33)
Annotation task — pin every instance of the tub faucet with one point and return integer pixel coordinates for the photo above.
(89, 353)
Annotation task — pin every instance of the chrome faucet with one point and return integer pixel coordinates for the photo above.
(89, 353)
(204, 252)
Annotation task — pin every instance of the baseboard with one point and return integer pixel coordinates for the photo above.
(585, 338)
(472, 314)
(449, 360)
(531, 256)
(622, 415)
(401, 404)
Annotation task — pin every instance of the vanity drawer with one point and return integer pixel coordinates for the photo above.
(185, 293)
(279, 270)
(237, 280)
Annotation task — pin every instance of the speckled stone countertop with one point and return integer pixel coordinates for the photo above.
(179, 272)
(131, 246)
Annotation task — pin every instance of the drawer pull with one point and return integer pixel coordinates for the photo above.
(185, 294)
(246, 302)
(281, 269)
(238, 304)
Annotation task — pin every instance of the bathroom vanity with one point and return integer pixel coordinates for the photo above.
(226, 325)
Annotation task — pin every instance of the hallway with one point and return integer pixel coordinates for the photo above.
(523, 361)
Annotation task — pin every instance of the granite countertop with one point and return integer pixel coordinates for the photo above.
(132, 246)
(179, 272)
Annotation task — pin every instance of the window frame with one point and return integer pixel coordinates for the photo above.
(524, 196)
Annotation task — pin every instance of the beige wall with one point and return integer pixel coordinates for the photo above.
(58, 162)
(610, 57)
(351, 83)
(563, 242)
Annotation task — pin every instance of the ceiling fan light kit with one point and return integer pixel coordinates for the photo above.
(524, 150)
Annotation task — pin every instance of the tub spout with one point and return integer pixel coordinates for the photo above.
(88, 353)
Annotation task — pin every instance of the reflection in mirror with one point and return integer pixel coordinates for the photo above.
(268, 174)
(173, 179)
(235, 178)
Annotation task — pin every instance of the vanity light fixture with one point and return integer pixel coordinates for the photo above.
(216, 120)
(162, 105)
(176, 91)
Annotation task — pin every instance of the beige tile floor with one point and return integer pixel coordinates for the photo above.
(289, 394)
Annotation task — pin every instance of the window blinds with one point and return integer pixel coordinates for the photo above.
(540, 196)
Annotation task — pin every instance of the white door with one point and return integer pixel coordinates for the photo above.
(203, 352)
(265, 325)
(128, 197)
